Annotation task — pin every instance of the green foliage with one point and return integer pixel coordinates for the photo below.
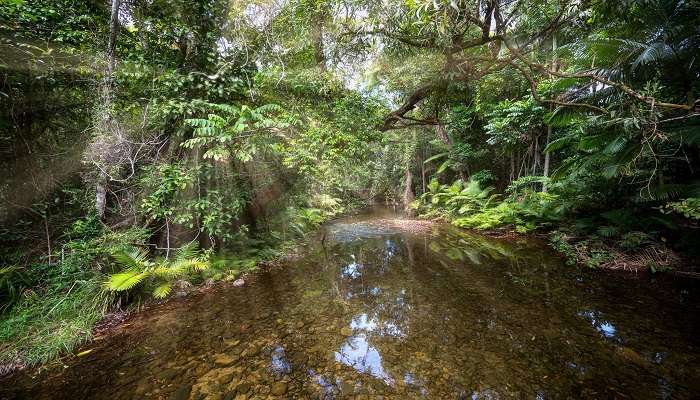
(689, 208)
(60, 21)
(252, 131)
(457, 199)
(470, 206)
(233, 134)
(632, 241)
(170, 189)
(46, 324)
(156, 275)
(165, 181)
(530, 211)
(14, 279)
(484, 177)
(560, 243)
(513, 122)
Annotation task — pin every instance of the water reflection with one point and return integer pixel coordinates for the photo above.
(279, 364)
(357, 353)
(327, 388)
(390, 250)
(352, 270)
(383, 328)
(603, 326)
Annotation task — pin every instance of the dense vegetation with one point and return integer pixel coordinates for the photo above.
(151, 145)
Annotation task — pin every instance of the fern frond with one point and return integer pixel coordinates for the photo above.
(608, 231)
(190, 264)
(167, 272)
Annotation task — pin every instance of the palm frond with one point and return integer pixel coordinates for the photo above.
(654, 52)
(166, 271)
(560, 143)
(563, 116)
(668, 192)
(435, 157)
(190, 250)
(132, 257)
(163, 290)
(125, 280)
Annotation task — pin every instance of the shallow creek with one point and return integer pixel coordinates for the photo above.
(379, 308)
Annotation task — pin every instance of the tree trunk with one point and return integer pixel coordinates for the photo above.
(545, 172)
(317, 39)
(101, 196)
(422, 169)
(441, 133)
(101, 185)
(112, 44)
(536, 156)
(408, 195)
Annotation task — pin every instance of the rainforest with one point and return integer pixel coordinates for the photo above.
(230, 199)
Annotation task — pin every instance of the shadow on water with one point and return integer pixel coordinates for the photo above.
(375, 309)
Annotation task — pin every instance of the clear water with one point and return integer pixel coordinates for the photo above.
(377, 311)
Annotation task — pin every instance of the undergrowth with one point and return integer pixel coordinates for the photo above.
(618, 238)
(43, 326)
(50, 309)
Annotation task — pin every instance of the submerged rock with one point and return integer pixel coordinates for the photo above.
(167, 374)
(243, 388)
(278, 388)
(224, 360)
(182, 393)
(632, 356)
(346, 388)
(238, 282)
(226, 377)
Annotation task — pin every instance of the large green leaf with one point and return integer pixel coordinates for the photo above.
(125, 280)
(163, 290)
(131, 258)
(436, 157)
(443, 167)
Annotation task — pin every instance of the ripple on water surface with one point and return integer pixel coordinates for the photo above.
(385, 307)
